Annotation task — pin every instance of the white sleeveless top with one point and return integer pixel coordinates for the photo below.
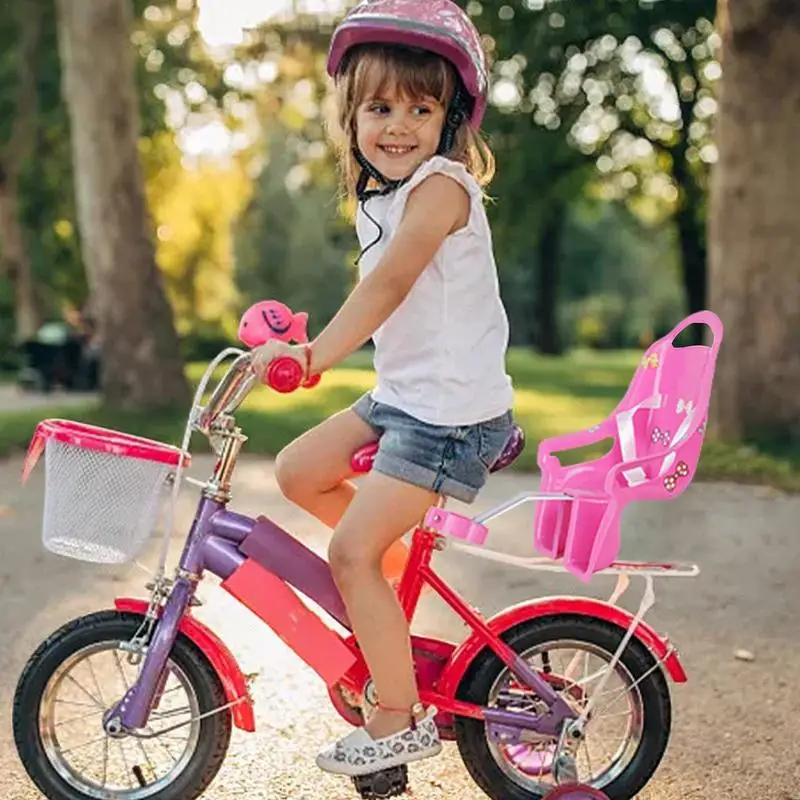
(440, 356)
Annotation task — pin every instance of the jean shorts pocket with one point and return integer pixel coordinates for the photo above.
(492, 438)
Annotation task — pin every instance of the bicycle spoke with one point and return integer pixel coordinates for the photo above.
(617, 714)
(121, 671)
(160, 740)
(85, 744)
(594, 676)
(85, 691)
(73, 703)
(96, 682)
(80, 718)
(147, 758)
(585, 746)
(128, 771)
(105, 761)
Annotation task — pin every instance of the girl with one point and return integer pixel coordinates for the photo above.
(410, 87)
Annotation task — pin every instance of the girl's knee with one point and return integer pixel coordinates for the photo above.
(301, 475)
(289, 474)
(349, 555)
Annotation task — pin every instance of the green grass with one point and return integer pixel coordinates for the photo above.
(553, 396)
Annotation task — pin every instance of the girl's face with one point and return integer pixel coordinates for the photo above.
(397, 133)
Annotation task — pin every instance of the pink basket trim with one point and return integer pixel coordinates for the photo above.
(102, 440)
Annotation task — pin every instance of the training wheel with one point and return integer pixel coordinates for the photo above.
(386, 783)
(575, 791)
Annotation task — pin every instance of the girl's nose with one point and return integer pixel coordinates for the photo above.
(397, 124)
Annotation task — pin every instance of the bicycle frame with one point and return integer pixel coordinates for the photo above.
(257, 561)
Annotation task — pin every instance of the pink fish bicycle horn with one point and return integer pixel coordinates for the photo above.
(269, 319)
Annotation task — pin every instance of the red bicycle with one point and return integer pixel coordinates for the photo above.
(137, 702)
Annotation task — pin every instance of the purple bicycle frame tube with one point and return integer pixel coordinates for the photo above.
(277, 551)
(220, 541)
(288, 558)
(135, 706)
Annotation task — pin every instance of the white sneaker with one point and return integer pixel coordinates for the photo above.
(360, 754)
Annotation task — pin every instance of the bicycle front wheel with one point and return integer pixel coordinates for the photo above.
(69, 683)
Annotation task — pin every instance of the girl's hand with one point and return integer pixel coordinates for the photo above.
(264, 354)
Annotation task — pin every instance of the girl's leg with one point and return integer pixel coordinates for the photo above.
(314, 473)
(314, 470)
(382, 510)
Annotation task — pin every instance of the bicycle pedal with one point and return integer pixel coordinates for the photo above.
(387, 783)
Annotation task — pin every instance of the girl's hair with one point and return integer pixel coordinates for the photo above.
(415, 74)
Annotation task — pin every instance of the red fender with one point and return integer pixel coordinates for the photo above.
(219, 656)
(466, 652)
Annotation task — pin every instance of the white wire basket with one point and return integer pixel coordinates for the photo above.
(103, 489)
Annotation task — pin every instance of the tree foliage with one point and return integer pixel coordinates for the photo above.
(571, 95)
(293, 242)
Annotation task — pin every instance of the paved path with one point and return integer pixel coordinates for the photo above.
(12, 398)
(735, 722)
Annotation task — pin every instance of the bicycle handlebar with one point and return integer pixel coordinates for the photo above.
(283, 374)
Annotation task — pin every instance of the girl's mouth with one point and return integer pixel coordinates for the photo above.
(396, 150)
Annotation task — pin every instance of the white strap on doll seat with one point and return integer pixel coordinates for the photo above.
(685, 426)
(680, 434)
(627, 438)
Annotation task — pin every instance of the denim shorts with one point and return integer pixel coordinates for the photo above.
(450, 460)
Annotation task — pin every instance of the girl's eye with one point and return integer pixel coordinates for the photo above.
(421, 111)
(378, 108)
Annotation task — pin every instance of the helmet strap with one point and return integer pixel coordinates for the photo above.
(456, 114)
(363, 194)
(368, 171)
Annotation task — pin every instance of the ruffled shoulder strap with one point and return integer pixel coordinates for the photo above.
(437, 164)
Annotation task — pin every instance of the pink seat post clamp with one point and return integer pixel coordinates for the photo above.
(449, 523)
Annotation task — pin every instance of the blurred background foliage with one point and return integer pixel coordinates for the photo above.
(600, 122)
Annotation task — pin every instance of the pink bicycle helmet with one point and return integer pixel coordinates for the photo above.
(438, 26)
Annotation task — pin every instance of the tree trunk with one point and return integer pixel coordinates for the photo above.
(688, 216)
(754, 237)
(141, 362)
(16, 261)
(546, 335)
(694, 269)
(693, 258)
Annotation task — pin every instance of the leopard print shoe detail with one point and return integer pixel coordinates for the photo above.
(360, 754)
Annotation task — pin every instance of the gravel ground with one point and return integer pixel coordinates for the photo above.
(732, 721)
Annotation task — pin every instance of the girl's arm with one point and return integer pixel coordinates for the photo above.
(436, 208)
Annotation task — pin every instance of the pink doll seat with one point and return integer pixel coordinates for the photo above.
(657, 431)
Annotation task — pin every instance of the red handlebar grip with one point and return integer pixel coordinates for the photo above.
(283, 374)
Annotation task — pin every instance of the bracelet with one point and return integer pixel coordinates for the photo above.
(307, 349)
